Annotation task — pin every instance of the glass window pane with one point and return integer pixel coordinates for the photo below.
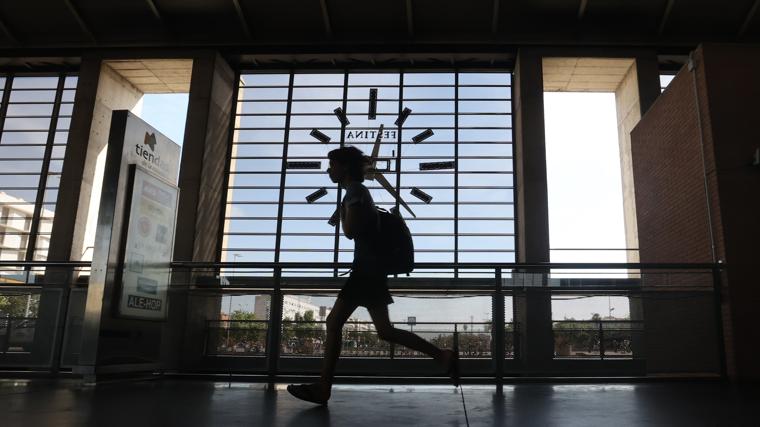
(264, 79)
(426, 183)
(32, 96)
(15, 110)
(22, 153)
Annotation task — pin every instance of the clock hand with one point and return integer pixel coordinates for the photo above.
(388, 187)
(372, 167)
(379, 177)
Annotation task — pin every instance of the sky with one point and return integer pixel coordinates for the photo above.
(585, 203)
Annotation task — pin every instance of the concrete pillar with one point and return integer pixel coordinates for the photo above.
(634, 95)
(99, 91)
(202, 183)
(532, 305)
(628, 115)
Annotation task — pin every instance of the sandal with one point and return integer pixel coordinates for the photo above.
(453, 370)
(303, 392)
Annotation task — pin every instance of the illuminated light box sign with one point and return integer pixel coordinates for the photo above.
(152, 212)
(151, 150)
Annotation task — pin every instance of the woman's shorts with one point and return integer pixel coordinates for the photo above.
(367, 290)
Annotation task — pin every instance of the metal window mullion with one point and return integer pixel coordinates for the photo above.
(227, 166)
(275, 302)
(5, 101)
(32, 243)
(274, 331)
(283, 171)
(339, 193)
(398, 138)
(456, 172)
(515, 184)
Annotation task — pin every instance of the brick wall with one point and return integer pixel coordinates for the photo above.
(669, 180)
(695, 188)
(732, 76)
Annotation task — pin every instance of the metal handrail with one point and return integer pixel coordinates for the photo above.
(45, 263)
(2, 318)
(460, 265)
(420, 265)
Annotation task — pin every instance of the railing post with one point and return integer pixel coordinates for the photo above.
(601, 340)
(718, 307)
(392, 348)
(7, 333)
(498, 331)
(275, 328)
(455, 338)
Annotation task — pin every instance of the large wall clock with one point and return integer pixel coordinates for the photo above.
(382, 163)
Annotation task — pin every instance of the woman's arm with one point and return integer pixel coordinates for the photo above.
(354, 218)
(345, 217)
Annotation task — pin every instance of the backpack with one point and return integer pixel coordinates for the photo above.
(396, 249)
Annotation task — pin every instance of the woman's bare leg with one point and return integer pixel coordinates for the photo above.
(387, 332)
(333, 343)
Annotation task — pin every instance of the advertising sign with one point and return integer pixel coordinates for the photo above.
(146, 147)
(147, 252)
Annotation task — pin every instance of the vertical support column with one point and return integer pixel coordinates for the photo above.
(201, 181)
(275, 328)
(498, 331)
(99, 92)
(77, 174)
(648, 76)
(634, 95)
(532, 306)
(52, 319)
(637, 91)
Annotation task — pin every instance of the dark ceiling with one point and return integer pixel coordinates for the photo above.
(285, 26)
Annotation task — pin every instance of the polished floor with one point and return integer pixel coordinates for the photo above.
(194, 403)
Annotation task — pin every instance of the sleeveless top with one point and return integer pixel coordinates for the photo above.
(365, 252)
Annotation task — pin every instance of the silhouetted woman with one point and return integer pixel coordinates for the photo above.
(367, 285)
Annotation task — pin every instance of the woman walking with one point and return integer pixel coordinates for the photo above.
(367, 286)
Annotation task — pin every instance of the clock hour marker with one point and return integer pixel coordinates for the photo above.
(425, 134)
(341, 116)
(320, 136)
(372, 104)
(432, 166)
(381, 165)
(304, 165)
(425, 197)
(335, 218)
(313, 197)
(402, 116)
